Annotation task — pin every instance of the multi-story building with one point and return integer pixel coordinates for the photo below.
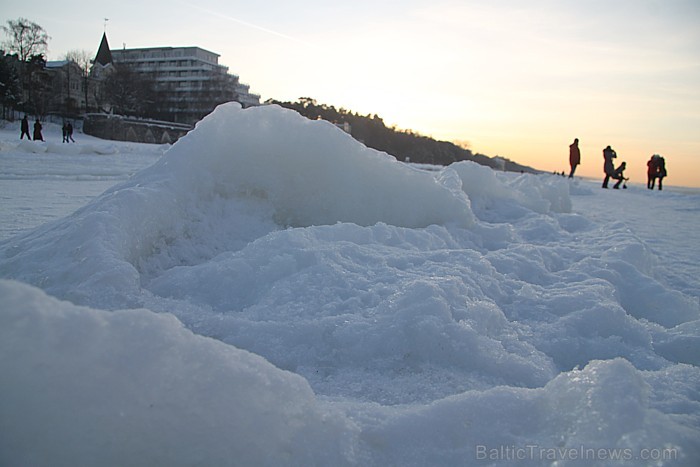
(189, 80)
(68, 88)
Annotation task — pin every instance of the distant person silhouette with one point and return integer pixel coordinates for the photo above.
(25, 129)
(619, 175)
(608, 167)
(65, 132)
(574, 157)
(37, 131)
(70, 132)
(662, 171)
(652, 169)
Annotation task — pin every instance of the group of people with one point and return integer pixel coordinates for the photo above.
(68, 132)
(656, 167)
(616, 173)
(24, 129)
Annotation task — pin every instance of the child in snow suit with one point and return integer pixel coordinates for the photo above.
(619, 175)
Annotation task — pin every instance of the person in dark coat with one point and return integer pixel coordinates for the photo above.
(65, 132)
(652, 171)
(37, 131)
(25, 129)
(608, 167)
(574, 157)
(70, 132)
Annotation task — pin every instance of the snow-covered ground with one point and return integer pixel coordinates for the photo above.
(271, 292)
(44, 181)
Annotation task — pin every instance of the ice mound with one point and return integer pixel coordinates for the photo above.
(236, 177)
(492, 196)
(310, 171)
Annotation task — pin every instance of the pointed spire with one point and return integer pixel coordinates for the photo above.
(104, 56)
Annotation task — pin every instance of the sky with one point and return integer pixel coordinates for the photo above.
(517, 79)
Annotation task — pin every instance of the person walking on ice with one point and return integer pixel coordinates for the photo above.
(70, 132)
(25, 129)
(574, 157)
(37, 131)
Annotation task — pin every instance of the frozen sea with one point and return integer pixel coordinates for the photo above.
(268, 291)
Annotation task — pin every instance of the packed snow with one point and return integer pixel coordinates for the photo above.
(269, 291)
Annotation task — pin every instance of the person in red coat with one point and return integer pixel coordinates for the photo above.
(574, 157)
(37, 131)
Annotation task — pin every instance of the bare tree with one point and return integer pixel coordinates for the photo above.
(26, 38)
(128, 92)
(29, 42)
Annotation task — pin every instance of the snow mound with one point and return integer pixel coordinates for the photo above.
(35, 147)
(310, 171)
(237, 176)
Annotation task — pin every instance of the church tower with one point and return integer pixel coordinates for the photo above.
(104, 55)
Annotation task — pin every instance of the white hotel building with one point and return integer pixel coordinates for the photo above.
(187, 77)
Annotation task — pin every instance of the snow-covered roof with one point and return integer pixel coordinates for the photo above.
(57, 63)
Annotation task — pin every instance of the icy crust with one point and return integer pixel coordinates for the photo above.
(132, 387)
(356, 310)
(603, 414)
(384, 313)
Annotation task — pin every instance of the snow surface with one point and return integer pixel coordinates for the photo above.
(271, 292)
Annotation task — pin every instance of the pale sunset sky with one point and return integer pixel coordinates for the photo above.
(518, 79)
